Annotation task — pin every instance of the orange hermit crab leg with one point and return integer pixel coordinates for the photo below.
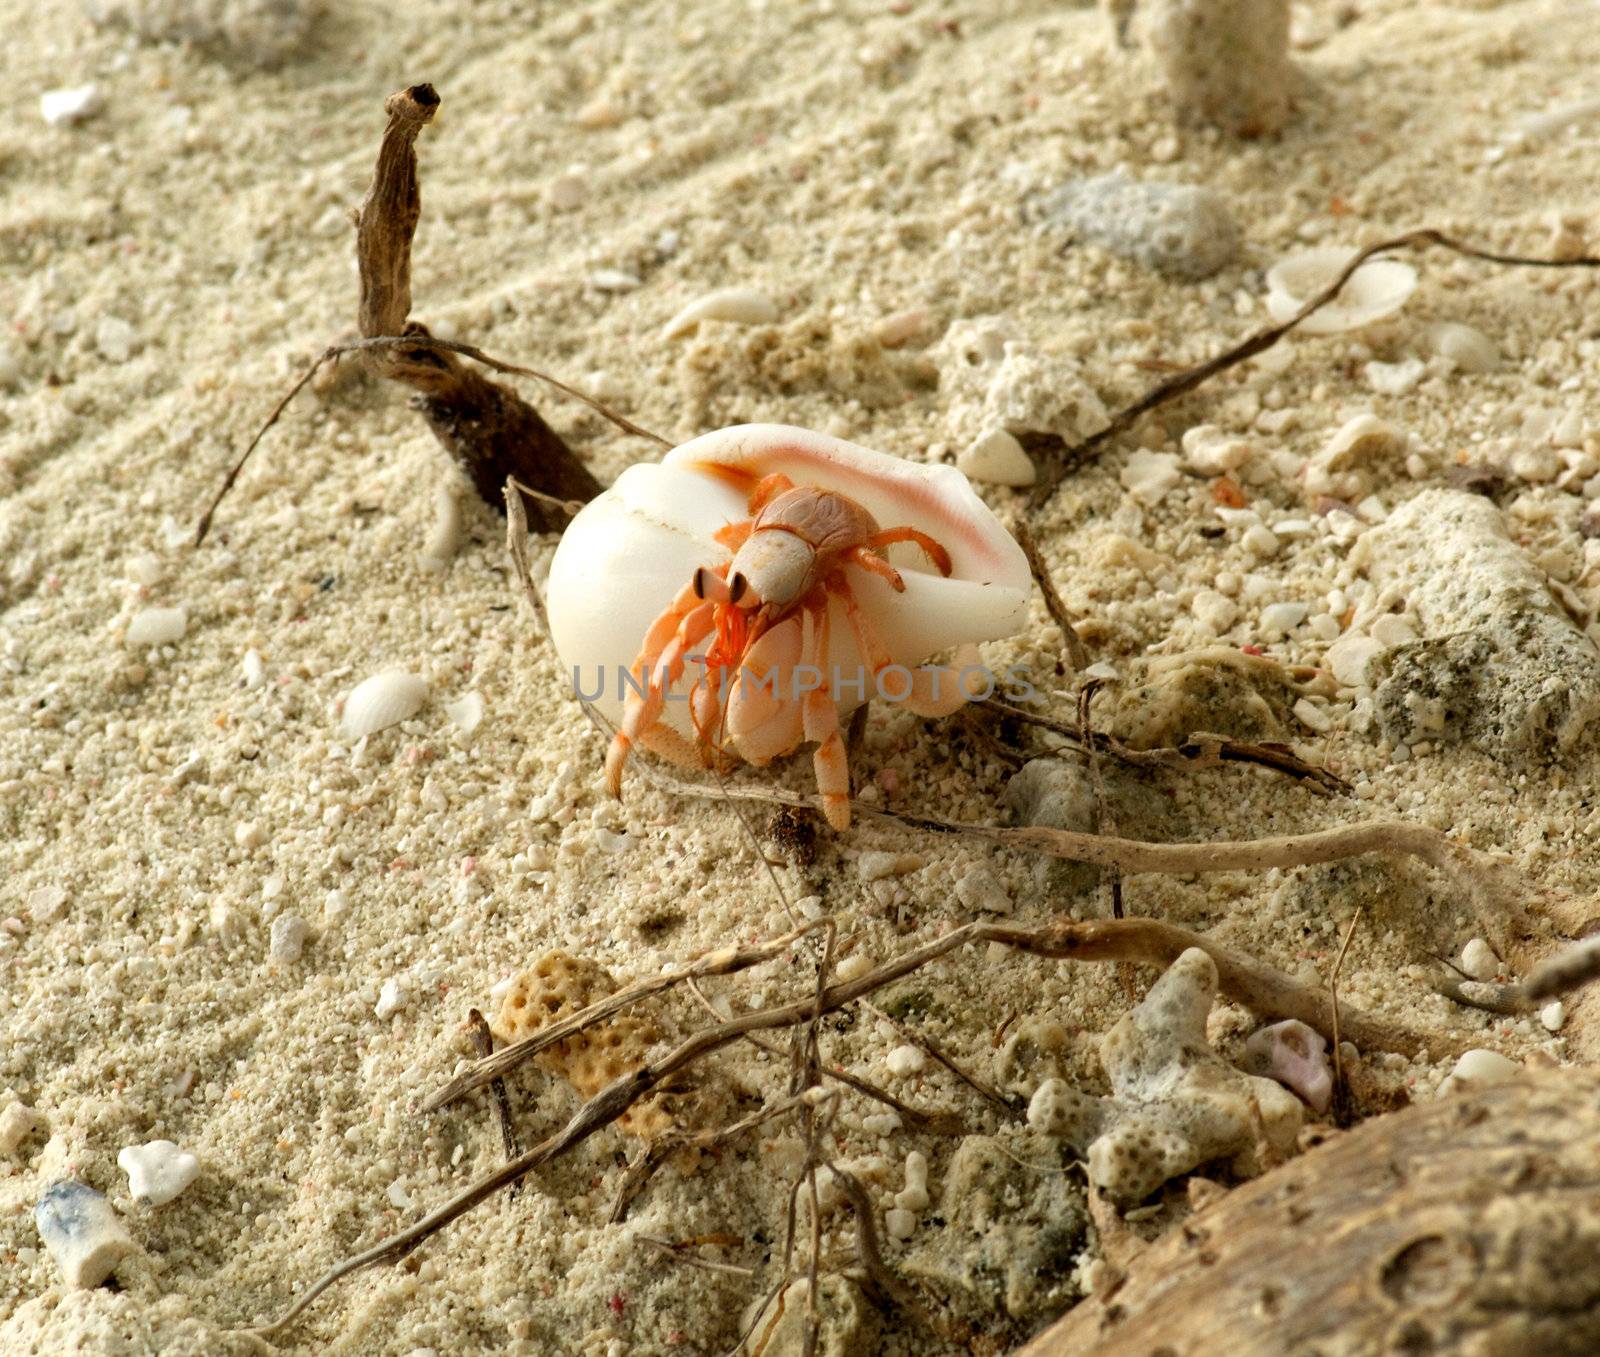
(822, 725)
(658, 667)
(935, 553)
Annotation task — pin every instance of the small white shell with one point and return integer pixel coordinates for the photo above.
(1377, 289)
(382, 701)
(625, 557)
(741, 305)
(158, 626)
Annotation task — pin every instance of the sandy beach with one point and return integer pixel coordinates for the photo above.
(226, 923)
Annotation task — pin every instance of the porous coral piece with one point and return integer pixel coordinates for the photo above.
(1216, 690)
(1500, 664)
(1182, 230)
(1175, 1103)
(994, 382)
(1296, 1056)
(554, 988)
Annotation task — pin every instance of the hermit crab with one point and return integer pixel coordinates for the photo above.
(738, 598)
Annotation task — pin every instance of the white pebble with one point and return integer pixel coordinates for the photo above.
(1553, 1016)
(1349, 657)
(614, 280)
(399, 1198)
(1283, 617)
(905, 1061)
(289, 934)
(997, 458)
(114, 338)
(1211, 452)
(1150, 476)
(1395, 379)
(1479, 961)
(739, 305)
(144, 569)
(466, 712)
(901, 328)
(249, 834)
(444, 537)
(1261, 540)
(875, 865)
(226, 922)
(609, 841)
(382, 701)
(158, 626)
(899, 1223)
(1469, 349)
(1393, 630)
(64, 107)
(82, 1233)
(17, 1123)
(392, 997)
(1215, 612)
(1312, 716)
(1484, 1067)
(47, 904)
(980, 892)
(915, 1195)
(157, 1172)
(567, 191)
(853, 966)
(255, 669)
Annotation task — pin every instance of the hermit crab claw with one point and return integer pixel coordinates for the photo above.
(640, 592)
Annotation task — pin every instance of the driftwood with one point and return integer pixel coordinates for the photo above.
(1467, 1224)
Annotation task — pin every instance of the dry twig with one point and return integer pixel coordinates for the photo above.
(1059, 459)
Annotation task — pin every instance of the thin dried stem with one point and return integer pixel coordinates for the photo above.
(1077, 654)
(1267, 992)
(680, 1253)
(1341, 1091)
(1061, 459)
(1009, 1107)
(722, 961)
(483, 1043)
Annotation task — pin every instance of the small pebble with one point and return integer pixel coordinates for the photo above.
(1393, 630)
(254, 668)
(82, 1233)
(1553, 1016)
(1283, 617)
(609, 841)
(875, 865)
(1150, 476)
(1312, 716)
(997, 458)
(614, 280)
(17, 1123)
(157, 1172)
(980, 892)
(289, 934)
(1261, 540)
(466, 712)
(1469, 349)
(64, 107)
(157, 627)
(1215, 612)
(1484, 1067)
(115, 339)
(444, 537)
(899, 1223)
(1479, 961)
(1349, 657)
(905, 1061)
(738, 305)
(567, 191)
(392, 997)
(901, 328)
(1395, 379)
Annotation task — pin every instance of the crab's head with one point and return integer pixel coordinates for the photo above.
(772, 567)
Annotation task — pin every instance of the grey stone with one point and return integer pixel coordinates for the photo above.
(1180, 230)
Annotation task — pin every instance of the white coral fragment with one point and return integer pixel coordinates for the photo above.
(1175, 1103)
